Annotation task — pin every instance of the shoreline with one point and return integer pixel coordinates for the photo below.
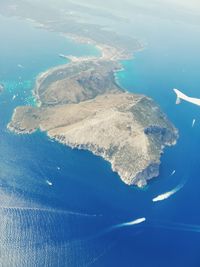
(98, 77)
(107, 53)
(75, 60)
(94, 152)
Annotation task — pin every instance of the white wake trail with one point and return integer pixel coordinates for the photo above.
(178, 227)
(135, 222)
(193, 122)
(120, 225)
(38, 209)
(168, 194)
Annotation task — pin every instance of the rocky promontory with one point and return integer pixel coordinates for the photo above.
(81, 105)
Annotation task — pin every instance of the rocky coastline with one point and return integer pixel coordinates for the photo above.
(81, 105)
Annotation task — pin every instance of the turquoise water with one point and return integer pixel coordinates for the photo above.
(26, 51)
(67, 224)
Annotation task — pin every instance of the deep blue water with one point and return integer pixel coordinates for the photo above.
(44, 225)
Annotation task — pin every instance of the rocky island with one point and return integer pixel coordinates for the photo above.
(81, 105)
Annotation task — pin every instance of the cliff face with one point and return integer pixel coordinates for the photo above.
(128, 130)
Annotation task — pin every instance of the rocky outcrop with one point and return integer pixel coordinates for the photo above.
(110, 126)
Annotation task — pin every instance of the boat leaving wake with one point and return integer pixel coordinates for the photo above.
(135, 222)
(46, 210)
(169, 193)
(174, 171)
(193, 122)
(120, 225)
(49, 183)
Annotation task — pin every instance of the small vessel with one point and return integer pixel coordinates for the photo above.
(63, 56)
(138, 221)
(14, 96)
(20, 66)
(169, 193)
(1, 88)
(49, 183)
(193, 122)
(174, 171)
(163, 196)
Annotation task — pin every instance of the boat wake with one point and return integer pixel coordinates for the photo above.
(46, 210)
(169, 193)
(178, 227)
(135, 222)
(120, 225)
(193, 122)
(49, 183)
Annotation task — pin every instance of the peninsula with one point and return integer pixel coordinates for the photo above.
(81, 105)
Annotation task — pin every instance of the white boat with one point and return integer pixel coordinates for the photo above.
(163, 196)
(49, 183)
(137, 221)
(174, 171)
(20, 66)
(169, 193)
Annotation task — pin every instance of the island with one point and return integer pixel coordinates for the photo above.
(81, 105)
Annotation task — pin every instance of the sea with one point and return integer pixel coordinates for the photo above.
(66, 207)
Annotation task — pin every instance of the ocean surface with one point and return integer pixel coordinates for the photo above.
(65, 207)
